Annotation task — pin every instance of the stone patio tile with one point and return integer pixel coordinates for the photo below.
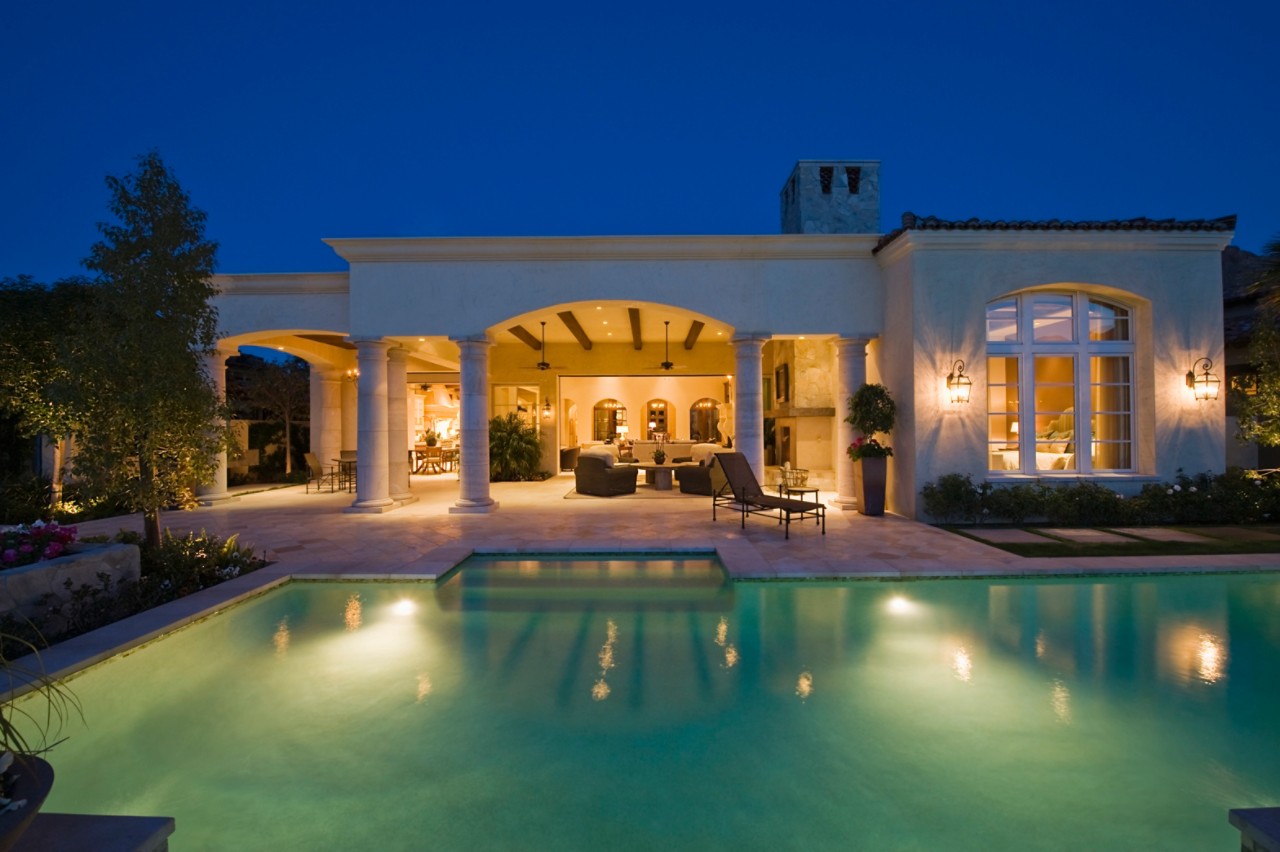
(1008, 536)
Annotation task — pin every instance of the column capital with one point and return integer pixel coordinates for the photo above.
(472, 342)
(397, 353)
(845, 340)
(371, 344)
(760, 337)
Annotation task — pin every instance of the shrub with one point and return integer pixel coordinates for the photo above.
(514, 449)
(1235, 497)
(181, 565)
(1014, 503)
(954, 498)
(1083, 503)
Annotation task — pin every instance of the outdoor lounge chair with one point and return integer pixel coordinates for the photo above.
(320, 474)
(742, 493)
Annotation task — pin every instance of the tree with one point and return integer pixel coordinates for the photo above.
(279, 390)
(40, 331)
(1258, 407)
(1267, 287)
(139, 380)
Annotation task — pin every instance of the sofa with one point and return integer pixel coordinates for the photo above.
(594, 475)
(702, 475)
(643, 450)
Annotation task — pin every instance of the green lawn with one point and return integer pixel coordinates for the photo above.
(1212, 544)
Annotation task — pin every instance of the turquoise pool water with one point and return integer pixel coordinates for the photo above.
(573, 705)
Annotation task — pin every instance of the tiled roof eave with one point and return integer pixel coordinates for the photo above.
(912, 222)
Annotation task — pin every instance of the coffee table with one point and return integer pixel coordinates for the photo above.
(659, 475)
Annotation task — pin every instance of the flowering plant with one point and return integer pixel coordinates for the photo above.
(868, 448)
(22, 545)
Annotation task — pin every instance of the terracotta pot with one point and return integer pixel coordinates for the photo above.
(34, 780)
(869, 478)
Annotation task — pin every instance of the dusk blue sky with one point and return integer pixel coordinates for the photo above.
(288, 123)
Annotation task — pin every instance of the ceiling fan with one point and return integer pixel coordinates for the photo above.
(544, 364)
(666, 347)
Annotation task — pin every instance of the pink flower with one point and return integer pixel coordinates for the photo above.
(54, 549)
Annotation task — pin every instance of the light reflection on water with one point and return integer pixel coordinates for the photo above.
(1147, 704)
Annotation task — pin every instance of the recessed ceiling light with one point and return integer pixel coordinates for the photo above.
(421, 339)
(606, 322)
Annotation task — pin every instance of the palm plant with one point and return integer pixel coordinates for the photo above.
(514, 449)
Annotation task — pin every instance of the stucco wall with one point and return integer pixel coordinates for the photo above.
(781, 285)
(307, 301)
(1173, 281)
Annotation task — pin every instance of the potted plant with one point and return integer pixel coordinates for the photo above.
(28, 729)
(659, 455)
(871, 410)
(431, 439)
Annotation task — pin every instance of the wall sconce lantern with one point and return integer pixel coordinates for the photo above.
(352, 374)
(1203, 384)
(958, 384)
(546, 409)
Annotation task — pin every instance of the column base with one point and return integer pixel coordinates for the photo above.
(216, 499)
(473, 507)
(404, 499)
(372, 507)
(847, 504)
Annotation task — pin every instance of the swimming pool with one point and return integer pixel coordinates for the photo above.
(565, 704)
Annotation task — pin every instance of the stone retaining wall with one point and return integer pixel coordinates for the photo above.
(22, 588)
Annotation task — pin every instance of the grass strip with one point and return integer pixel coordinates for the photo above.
(1056, 546)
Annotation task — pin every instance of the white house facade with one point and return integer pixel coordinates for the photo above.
(1076, 337)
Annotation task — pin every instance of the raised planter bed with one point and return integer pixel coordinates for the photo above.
(22, 588)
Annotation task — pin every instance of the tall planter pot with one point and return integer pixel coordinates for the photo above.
(34, 781)
(869, 478)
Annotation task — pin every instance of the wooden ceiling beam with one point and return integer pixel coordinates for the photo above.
(692, 337)
(571, 323)
(526, 337)
(636, 342)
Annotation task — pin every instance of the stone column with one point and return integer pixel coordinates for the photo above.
(748, 406)
(326, 414)
(373, 493)
(350, 413)
(398, 424)
(474, 462)
(851, 373)
(216, 491)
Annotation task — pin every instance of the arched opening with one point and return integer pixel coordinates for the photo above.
(656, 420)
(607, 416)
(1062, 394)
(704, 420)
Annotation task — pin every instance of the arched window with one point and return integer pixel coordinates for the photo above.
(704, 420)
(656, 418)
(1060, 389)
(607, 416)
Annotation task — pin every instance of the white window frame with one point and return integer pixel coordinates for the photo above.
(1081, 349)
